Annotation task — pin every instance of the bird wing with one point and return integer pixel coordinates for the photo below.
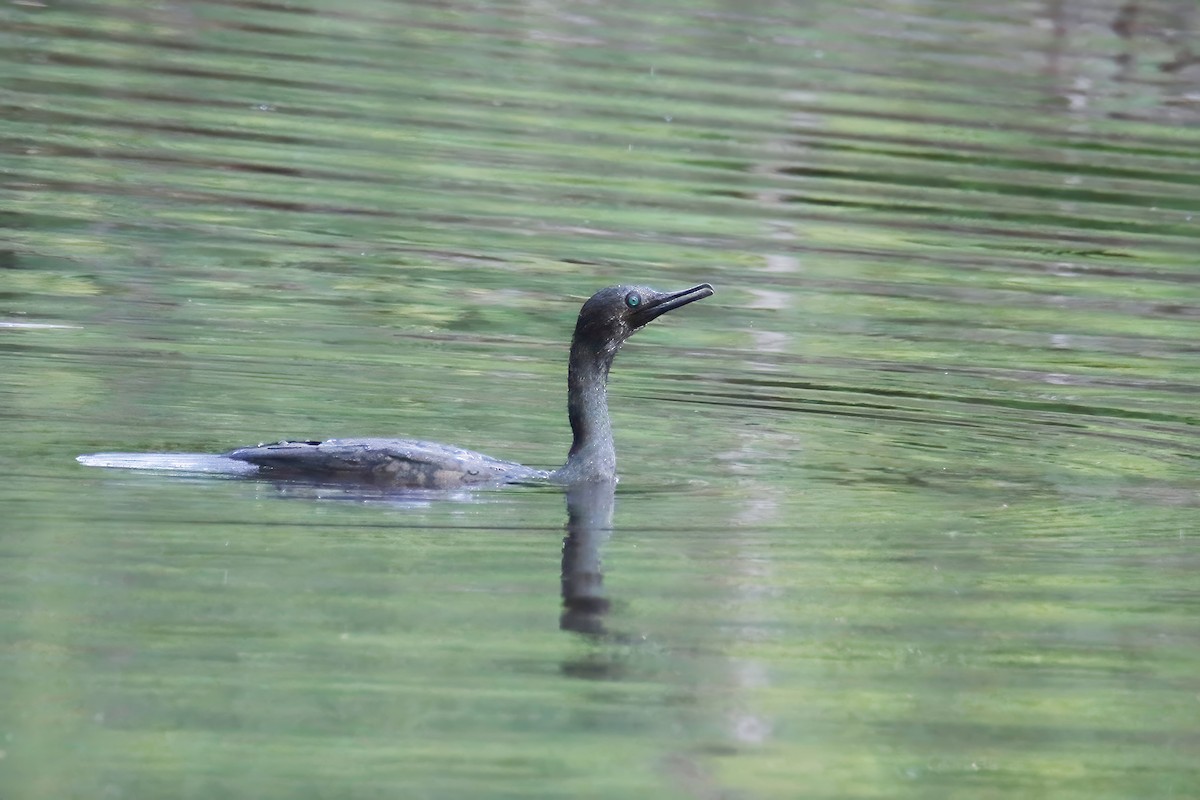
(400, 462)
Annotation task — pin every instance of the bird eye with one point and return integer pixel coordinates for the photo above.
(633, 299)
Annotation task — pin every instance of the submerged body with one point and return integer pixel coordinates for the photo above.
(396, 462)
(606, 320)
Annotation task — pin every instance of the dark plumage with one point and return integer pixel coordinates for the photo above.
(606, 320)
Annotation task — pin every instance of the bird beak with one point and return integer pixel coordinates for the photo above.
(657, 306)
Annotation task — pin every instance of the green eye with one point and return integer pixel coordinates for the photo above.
(633, 299)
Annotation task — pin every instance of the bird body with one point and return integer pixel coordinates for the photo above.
(401, 462)
(605, 321)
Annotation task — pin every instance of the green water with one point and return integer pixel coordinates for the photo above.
(908, 509)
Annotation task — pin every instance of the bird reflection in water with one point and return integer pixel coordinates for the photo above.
(589, 524)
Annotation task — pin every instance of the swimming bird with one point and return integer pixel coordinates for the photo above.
(606, 320)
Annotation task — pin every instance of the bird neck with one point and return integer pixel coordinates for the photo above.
(592, 455)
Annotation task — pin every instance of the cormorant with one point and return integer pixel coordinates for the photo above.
(605, 321)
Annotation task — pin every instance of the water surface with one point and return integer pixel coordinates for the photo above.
(908, 509)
